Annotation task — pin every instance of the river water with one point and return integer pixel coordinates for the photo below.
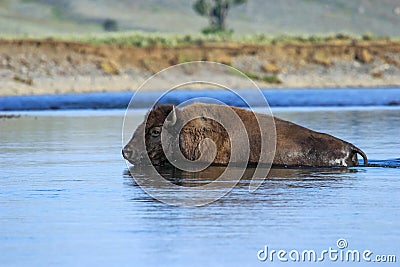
(66, 198)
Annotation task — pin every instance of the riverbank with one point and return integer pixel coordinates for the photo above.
(48, 66)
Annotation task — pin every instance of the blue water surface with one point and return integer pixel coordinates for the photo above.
(276, 98)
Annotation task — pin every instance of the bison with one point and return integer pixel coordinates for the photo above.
(296, 146)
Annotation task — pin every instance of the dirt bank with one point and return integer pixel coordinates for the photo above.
(52, 66)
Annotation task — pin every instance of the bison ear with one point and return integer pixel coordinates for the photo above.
(165, 108)
(172, 117)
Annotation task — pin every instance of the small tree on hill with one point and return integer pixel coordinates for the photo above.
(216, 11)
(110, 25)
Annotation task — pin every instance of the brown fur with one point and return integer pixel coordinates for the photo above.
(295, 145)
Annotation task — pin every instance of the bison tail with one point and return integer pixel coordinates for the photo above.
(363, 155)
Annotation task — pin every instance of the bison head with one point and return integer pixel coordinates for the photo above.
(146, 140)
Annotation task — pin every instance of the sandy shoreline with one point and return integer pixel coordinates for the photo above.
(57, 67)
(84, 84)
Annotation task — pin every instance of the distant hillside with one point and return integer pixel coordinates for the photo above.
(41, 17)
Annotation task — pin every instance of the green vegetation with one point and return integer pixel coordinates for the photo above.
(268, 78)
(272, 78)
(26, 80)
(110, 25)
(252, 75)
(216, 11)
(144, 39)
(182, 58)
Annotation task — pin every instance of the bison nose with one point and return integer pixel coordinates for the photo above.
(127, 153)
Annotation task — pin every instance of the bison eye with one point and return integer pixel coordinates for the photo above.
(155, 132)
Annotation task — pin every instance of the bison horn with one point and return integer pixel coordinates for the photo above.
(171, 119)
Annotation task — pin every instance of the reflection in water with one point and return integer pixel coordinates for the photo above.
(277, 177)
(280, 184)
(210, 174)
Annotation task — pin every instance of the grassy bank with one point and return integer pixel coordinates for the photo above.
(145, 39)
